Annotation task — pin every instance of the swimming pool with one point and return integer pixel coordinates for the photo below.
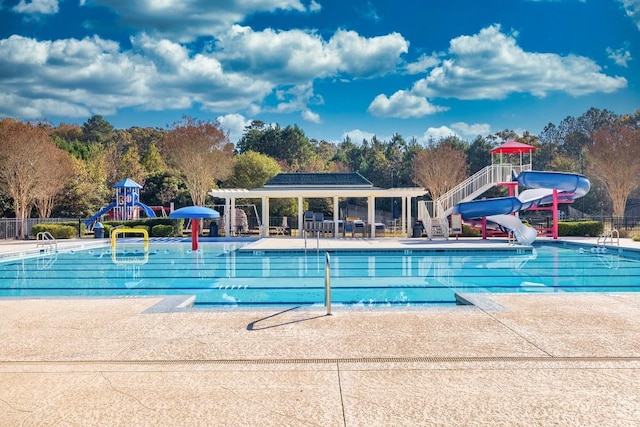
(223, 274)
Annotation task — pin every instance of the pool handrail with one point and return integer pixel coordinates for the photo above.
(124, 230)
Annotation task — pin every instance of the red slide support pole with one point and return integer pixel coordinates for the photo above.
(194, 234)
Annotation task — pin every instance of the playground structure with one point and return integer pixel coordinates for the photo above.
(545, 190)
(126, 205)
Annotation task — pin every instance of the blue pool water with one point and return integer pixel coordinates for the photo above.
(222, 274)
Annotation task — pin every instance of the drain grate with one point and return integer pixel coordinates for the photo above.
(308, 361)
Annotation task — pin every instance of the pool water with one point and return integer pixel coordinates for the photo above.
(222, 274)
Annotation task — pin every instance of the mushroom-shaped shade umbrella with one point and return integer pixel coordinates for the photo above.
(194, 213)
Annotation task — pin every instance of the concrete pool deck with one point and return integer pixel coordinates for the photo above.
(543, 359)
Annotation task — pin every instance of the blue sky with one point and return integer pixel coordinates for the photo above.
(420, 68)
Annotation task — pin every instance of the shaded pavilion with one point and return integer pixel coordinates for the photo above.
(513, 147)
(302, 186)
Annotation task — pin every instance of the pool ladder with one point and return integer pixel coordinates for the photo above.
(45, 238)
(614, 233)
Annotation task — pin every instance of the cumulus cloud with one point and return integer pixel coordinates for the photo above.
(620, 56)
(490, 65)
(185, 20)
(435, 134)
(310, 116)
(44, 7)
(302, 56)
(234, 124)
(471, 130)
(402, 104)
(357, 135)
(423, 63)
(632, 8)
(73, 77)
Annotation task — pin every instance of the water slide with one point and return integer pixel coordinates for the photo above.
(147, 210)
(540, 186)
(101, 212)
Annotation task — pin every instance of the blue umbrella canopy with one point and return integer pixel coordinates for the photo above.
(194, 212)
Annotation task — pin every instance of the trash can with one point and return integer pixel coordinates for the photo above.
(98, 231)
(213, 229)
(417, 229)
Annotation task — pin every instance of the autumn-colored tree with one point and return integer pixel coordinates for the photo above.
(439, 168)
(58, 172)
(201, 152)
(24, 163)
(613, 158)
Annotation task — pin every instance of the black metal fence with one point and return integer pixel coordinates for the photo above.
(10, 227)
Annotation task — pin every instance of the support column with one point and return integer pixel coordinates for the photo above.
(265, 217)
(371, 215)
(232, 216)
(336, 217)
(300, 217)
(407, 215)
(227, 217)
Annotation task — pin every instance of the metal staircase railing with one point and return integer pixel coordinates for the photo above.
(472, 187)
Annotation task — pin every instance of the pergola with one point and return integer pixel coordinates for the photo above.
(312, 186)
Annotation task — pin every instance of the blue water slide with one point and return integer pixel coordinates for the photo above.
(540, 192)
(540, 186)
(147, 210)
(101, 212)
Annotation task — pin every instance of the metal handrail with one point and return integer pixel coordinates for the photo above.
(609, 236)
(44, 237)
(327, 282)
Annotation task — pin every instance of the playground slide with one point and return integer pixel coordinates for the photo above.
(541, 184)
(147, 210)
(101, 212)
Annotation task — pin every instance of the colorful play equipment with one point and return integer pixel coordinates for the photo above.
(195, 214)
(545, 190)
(127, 230)
(127, 203)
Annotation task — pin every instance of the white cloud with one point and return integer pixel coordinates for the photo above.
(297, 56)
(234, 124)
(185, 20)
(423, 63)
(45, 7)
(366, 57)
(357, 136)
(402, 104)
(435, 134)
(73, 77)
(314, 6)
(310, 116)
(632, 8)
(490, 65)
(473, 130)
(620, 56)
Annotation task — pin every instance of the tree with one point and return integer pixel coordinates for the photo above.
(613, 158)
(201, 152)
(58, 171)
(24, 162)
(252, 170)
(97, 130)
(439, 168)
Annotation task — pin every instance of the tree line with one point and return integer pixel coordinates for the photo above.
(68, 170)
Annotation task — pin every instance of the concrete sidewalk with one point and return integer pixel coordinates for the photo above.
(544, 359)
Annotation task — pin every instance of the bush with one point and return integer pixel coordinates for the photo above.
(468, 231)
(58, 231)
(161, 230)
(142, 227)
(148, 224)
(580, 228)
